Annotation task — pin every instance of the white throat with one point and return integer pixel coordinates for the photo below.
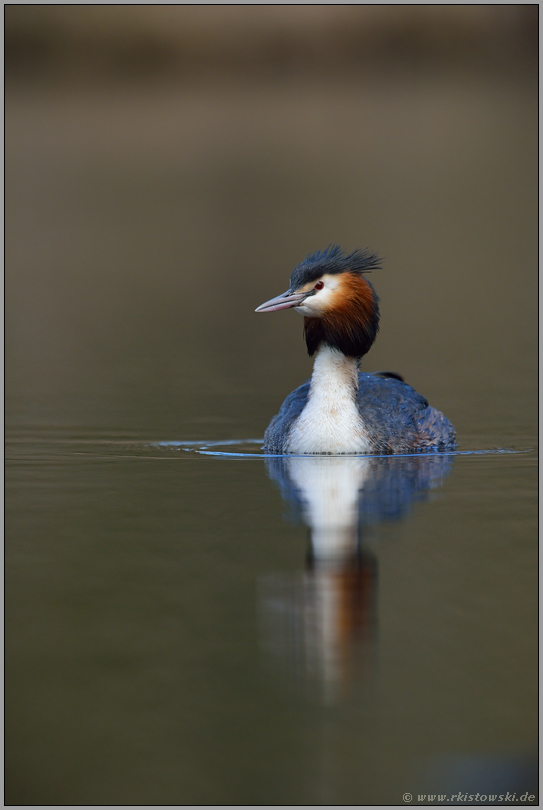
(330, 421)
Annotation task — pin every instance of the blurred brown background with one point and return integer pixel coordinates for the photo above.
(167, 166)
(109, 40)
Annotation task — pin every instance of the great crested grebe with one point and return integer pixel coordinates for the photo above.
(342, 410)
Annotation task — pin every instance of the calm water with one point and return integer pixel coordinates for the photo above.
(186, 621)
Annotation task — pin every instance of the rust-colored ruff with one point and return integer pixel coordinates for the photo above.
(351, 323)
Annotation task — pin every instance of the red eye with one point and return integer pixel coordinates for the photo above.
(319, 285)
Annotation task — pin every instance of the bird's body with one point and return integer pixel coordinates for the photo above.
(342, 410)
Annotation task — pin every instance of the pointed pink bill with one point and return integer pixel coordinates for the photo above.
(284, 301)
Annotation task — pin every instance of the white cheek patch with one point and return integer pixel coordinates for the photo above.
(331, 282)
(322, 300)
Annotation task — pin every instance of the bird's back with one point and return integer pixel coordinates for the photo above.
(396, 418)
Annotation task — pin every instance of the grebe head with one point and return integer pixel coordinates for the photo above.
(340, 305)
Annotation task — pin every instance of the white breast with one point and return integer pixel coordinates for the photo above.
(330, 421)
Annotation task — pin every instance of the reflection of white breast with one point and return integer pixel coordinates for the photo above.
(328, 613)
(329, 488)
(330, 421)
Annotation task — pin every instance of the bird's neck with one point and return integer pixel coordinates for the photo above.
(330, 421)
(334, 373)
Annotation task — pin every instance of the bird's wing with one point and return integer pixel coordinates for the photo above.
(278, 429)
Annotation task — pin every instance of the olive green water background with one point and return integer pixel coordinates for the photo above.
(146, 218)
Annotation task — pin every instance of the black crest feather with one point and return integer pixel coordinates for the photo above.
(333, 261)
(352, 325)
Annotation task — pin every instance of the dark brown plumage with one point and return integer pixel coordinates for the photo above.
(352, 324)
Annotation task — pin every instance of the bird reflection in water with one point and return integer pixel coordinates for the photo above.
(320, 624)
